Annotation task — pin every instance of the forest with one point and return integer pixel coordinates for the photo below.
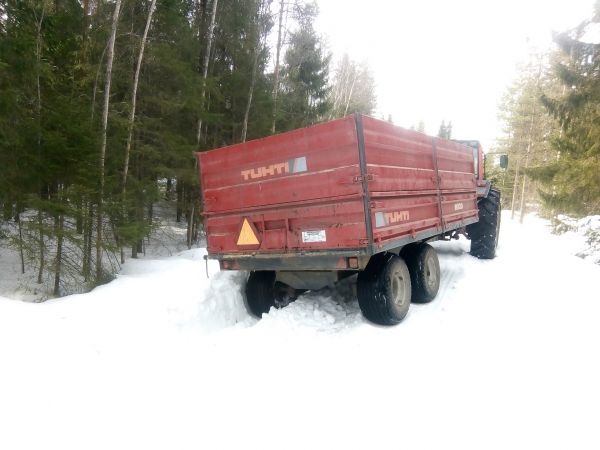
(103, 102)
(551, 115)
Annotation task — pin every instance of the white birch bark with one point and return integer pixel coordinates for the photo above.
(109, 65)
(211, 31)
(38, 60)
(277, 63)
(136, 80)
(257, 50)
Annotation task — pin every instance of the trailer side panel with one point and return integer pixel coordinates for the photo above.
(419, 186)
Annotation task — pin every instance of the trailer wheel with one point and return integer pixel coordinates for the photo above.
(424, 267)
(384, 290)
(263, 293)
(484, 234)
(260, 292)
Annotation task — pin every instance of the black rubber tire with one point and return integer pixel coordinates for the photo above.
(424, 267)
(260, 292)
(384, 290)
(485, 233)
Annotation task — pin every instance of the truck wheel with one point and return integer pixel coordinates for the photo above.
(384, 290)
(424, 267)
(260, 292)
(484, 234)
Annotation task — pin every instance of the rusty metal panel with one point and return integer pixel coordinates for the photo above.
(303, 165)
(418, 185)
(397, 159)
(335, 225)
(404, 216)
(352, 185)
(300, 190)
(455, 165)
(459, 207)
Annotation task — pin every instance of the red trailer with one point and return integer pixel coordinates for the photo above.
(303, 209)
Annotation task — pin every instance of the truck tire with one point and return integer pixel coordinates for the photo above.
(424, 267)
(260, 292)
(484, 234)
(384, 290)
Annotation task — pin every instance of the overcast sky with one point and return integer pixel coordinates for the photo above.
(445, 59)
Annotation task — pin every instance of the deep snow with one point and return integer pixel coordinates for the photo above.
(164, 358)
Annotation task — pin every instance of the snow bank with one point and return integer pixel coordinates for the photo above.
(586, 232)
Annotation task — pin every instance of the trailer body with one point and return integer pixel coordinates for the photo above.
(330, 196)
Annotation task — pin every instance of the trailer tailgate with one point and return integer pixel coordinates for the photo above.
(296, 191)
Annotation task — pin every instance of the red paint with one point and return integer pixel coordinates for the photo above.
(309, 180)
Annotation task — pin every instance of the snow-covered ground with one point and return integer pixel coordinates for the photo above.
(164, 358)
(167, 239)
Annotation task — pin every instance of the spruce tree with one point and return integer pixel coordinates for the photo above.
(305, 74)
(571, 182)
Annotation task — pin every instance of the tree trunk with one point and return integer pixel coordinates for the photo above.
(109, 64)
(59, 253)
(86, 24)
(179, 193)
(211, 30)
(169, 192)
(38, 58)
(79, 215)
(277, 61)
(190, 233)
(349, 98)
(95, 88)
(528, 151)
(20, 225)
(515, 187)
(200, 12)
(136, 80)
(134, 94)
(251, 90)
(523, 205)
(87, 242)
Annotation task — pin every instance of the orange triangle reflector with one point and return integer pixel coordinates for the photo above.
(247, 235)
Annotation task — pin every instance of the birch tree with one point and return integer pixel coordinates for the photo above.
(281, 32)
(353, 89)
(131, 121)
(209, 41)
(38, 61)
(261, 27)
(107, 84)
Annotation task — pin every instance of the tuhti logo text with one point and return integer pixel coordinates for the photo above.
(295, 165)
(383, 219)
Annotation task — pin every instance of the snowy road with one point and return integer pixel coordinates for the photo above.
(507, 356)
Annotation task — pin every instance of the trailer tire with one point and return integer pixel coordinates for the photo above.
(384, 289)
(484, 234)
(260, 293)
(424, 267)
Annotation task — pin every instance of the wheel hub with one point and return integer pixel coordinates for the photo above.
(398, 289)
(430, 273)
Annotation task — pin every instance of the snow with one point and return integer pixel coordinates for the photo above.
(164, 357)
(585, 232)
